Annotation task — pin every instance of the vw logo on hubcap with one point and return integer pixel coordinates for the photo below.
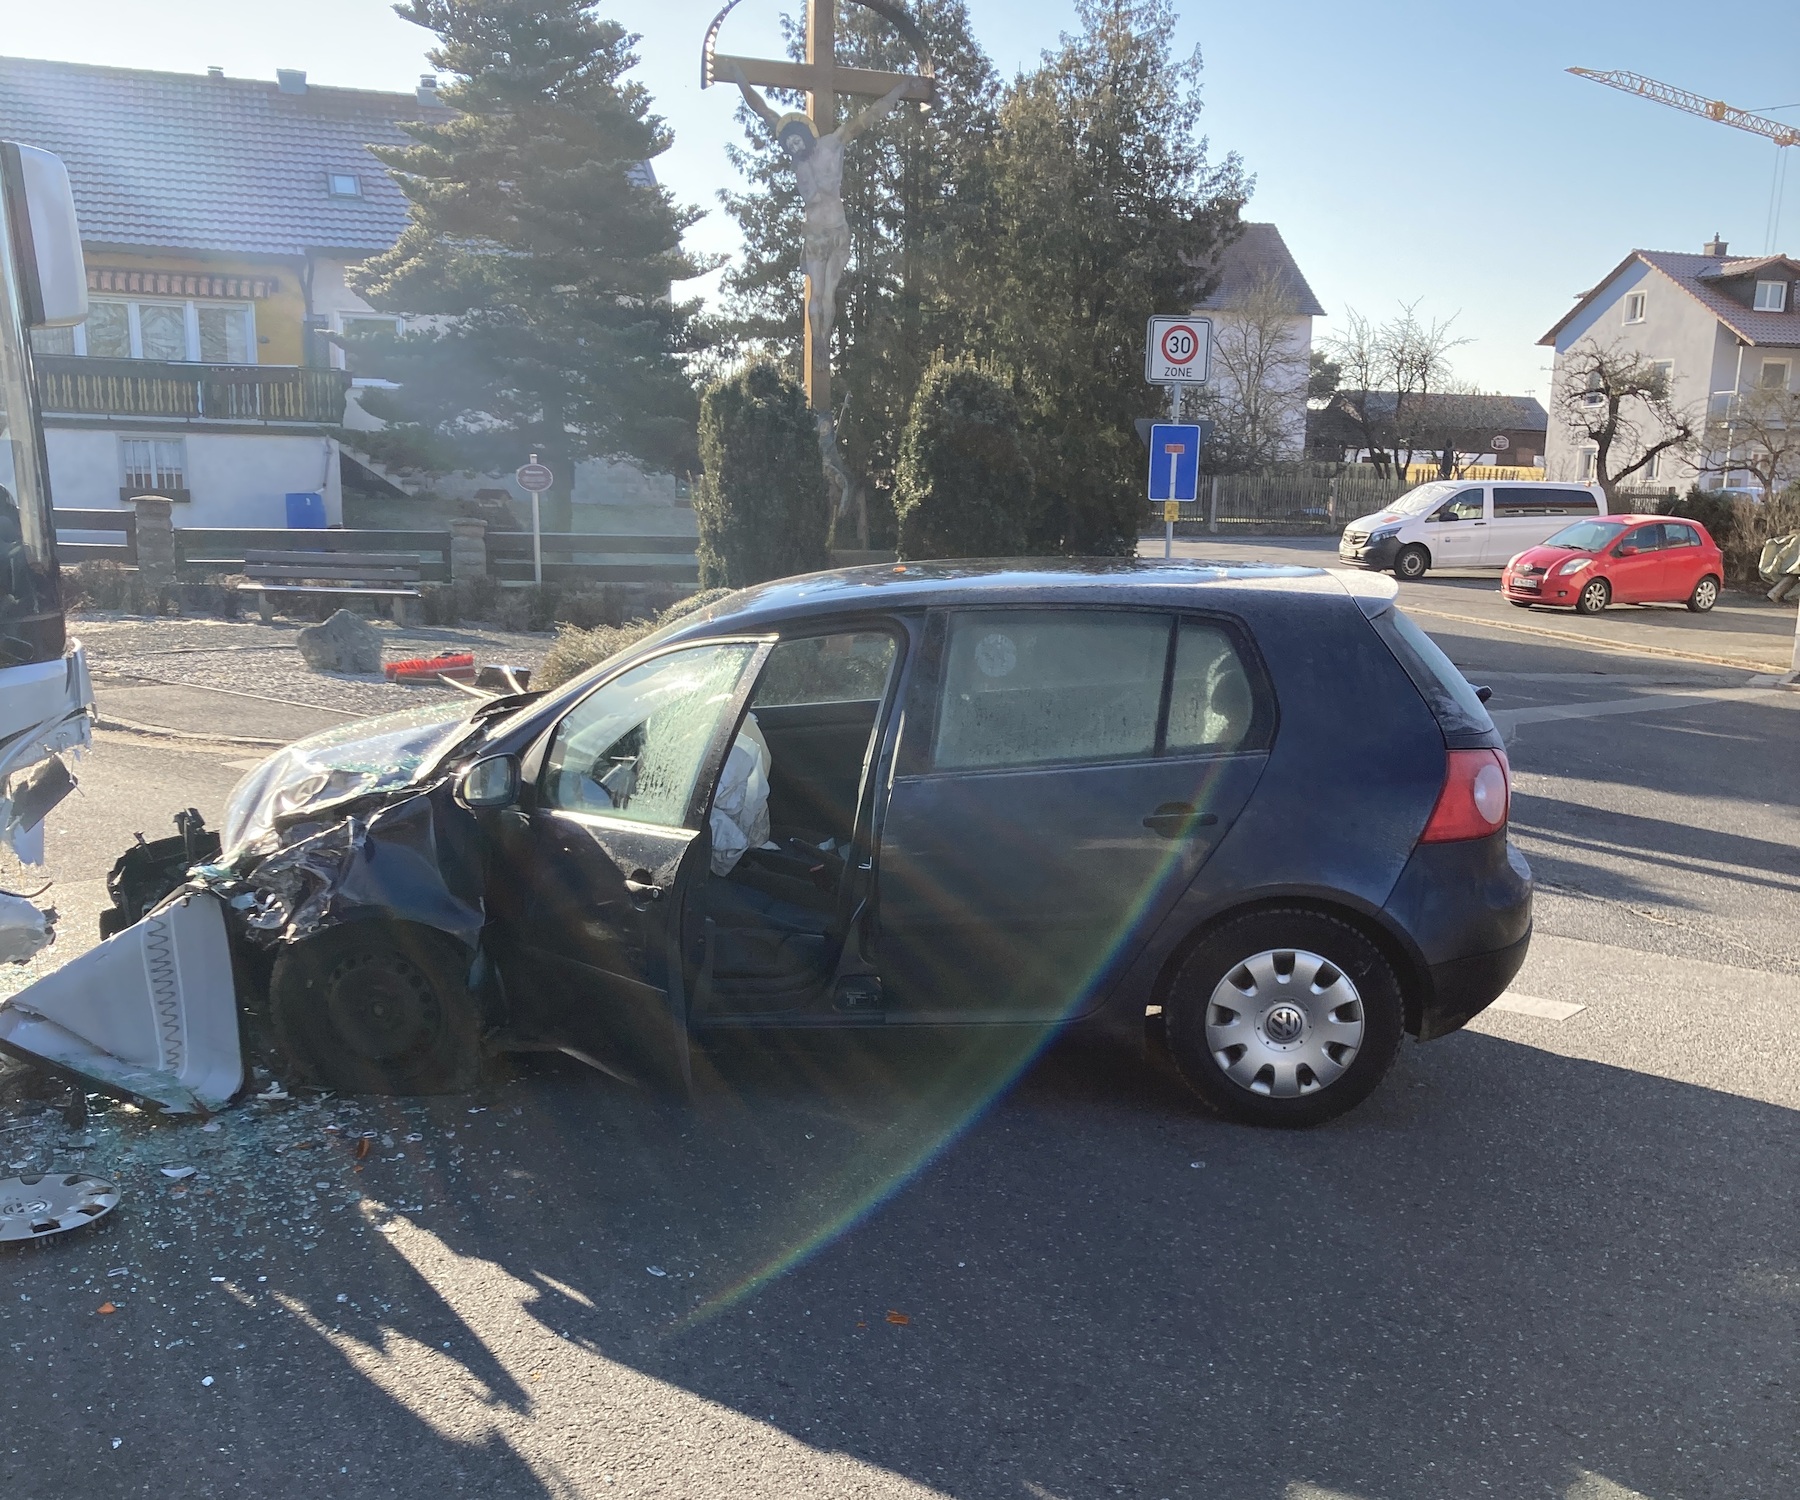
(1284, 1024)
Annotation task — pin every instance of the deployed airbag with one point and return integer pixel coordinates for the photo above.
(740, 815)
(150, 1013)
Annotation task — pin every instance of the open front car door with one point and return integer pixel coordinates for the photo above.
(594, 866)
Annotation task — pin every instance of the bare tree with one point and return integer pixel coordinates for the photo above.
(1387, 369)
(1256, 398)
(1616, 403)
(1457, 424)
(1757, 433)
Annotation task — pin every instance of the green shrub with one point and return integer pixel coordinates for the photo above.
(761, 502)
(963, 487)
(113, 586)
(576, 649)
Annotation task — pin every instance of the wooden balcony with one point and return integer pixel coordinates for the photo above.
(73, 385)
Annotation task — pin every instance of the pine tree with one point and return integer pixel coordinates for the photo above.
(541, 240)
(1095, 208)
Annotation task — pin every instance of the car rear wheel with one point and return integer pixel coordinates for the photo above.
(1411, 561)
(378, 1008)
(1705, 595)
(1595, 595)
(1286, 1017)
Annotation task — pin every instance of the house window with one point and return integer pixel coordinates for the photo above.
(343, 184)
(153, 466)
(1666, 369)
(356, 323)
(1771, 296)
(1596, 390)
(1775, 373)
(1653, 469)
(1634, 307)
(221, 333)
(1590, 458)
(53, 341)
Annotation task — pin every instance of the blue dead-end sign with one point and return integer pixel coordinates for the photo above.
(1175, 461)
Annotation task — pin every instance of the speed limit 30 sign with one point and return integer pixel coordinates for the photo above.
(1178, 351)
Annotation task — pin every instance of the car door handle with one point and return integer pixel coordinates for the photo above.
(1174, 820)
(642, 887)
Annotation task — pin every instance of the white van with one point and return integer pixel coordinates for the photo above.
(1456, 523)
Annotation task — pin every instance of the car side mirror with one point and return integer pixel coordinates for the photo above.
(1625, 551)
(493, 782)
(1484, 693)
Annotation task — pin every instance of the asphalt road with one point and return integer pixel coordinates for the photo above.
(1554, 1256)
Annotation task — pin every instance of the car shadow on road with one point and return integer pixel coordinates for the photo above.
(873, 1269)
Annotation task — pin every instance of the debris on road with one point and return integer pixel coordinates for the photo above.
(459, 666)
(32, 1207)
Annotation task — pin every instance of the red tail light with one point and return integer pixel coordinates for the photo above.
(1476, 798)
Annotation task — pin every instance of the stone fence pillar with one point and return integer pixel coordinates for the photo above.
(468, 549)
(155, 539)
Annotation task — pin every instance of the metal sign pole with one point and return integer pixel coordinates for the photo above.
(1170, 509)
(537, 538)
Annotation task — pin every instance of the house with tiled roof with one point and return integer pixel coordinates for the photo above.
(218, 217)
(1721, 325)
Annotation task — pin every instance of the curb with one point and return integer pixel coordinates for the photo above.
(158, 731)
(1739, 663)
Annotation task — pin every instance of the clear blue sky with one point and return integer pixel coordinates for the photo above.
(1406, 149)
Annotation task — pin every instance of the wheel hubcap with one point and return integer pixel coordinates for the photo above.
(1283, 1023)
(1704, 594)
(1596, 596)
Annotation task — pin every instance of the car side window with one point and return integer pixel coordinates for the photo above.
(1211, 702)
(1679, 536)
(845, 668)
(1464, 507)
(1028, 687)
(633, 748)
(1643, 538)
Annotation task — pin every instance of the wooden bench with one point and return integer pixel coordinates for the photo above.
(390, 576)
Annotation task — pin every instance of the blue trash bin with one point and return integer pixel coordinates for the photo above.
(306, 512)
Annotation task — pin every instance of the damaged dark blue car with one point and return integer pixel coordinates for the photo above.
(1252, 811)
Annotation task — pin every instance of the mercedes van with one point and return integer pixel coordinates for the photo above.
(1456, 523)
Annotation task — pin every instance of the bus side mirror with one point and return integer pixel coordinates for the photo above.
(55, 278)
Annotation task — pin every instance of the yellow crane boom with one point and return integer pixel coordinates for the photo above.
(1695, 104)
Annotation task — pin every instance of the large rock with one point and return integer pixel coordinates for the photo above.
(344, 643)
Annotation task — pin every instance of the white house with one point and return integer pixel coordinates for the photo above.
(1278, 350)
(1721, 325)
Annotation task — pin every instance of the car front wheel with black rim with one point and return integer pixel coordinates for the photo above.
(1595, 595)
(378, 1008)
(1411, 561)
(1705, 595)
(1285, 1017)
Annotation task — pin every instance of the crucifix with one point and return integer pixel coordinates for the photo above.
(814, 142)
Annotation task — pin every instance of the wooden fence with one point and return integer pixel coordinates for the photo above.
(569, 557)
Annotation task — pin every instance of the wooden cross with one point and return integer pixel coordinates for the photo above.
(822, 78)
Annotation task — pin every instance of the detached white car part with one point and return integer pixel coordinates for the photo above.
(151, 1013)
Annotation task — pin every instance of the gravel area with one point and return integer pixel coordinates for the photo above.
(247, 656)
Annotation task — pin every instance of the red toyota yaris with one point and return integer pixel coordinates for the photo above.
(1619, 560)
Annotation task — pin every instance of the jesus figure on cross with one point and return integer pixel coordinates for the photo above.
(819, 167)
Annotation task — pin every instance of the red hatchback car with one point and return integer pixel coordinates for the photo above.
(1619, 560)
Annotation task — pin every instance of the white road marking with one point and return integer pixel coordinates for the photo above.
(1509, 719)
(1530, 1005)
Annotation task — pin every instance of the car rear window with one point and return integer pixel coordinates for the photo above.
(1460, 713)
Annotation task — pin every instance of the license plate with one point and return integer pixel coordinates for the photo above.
(1350, 552)
(1528, 585)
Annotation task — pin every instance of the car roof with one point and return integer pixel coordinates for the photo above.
(1023, 582)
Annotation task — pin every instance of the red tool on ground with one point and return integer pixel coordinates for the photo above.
(459, 665)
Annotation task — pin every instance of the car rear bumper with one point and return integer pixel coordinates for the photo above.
(1464, 987)
(1467, 908)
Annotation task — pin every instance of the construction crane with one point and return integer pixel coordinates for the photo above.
(1720, 113)
(1695, 104)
